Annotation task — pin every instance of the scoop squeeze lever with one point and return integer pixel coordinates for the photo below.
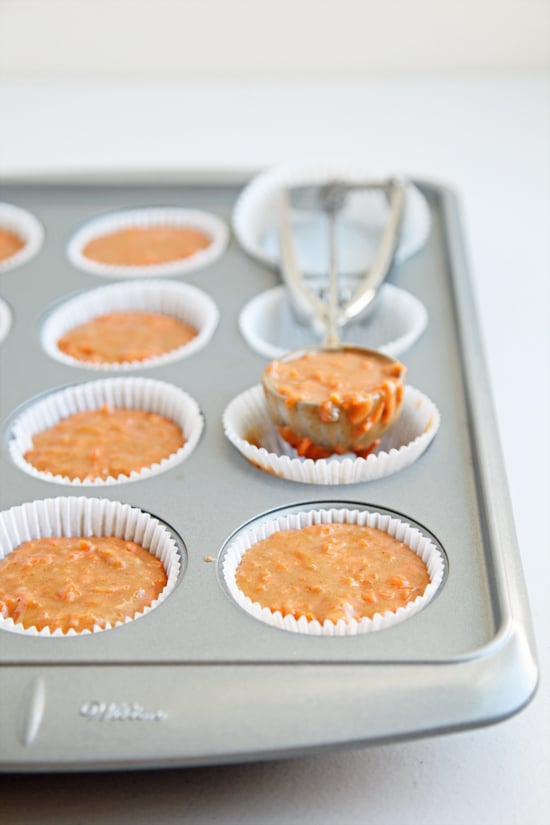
(330, 198)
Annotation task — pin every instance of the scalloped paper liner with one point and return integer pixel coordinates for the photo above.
(248, 426)
(182, 301)
(171, 216)
(256, 209)
(395, 323)
(28, 228)
(409, 535)
(5, 320)
(74, 516)
(132, 393)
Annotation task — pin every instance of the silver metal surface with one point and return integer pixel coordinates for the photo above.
(198, 680)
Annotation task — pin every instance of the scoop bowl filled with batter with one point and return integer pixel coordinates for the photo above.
(334, 400)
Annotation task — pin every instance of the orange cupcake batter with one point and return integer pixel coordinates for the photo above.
(10, 243)
(332, 571)
(332, 378)
(64, 583)
(118, 337)
(146, 245)
(104, 442)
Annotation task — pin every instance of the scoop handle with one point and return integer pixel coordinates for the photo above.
(332, 339)
(378, 272)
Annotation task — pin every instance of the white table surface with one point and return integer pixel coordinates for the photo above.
(487, 135)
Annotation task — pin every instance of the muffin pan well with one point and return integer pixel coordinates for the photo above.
(199, 680)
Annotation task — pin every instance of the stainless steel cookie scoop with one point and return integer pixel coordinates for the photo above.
(330, 198)
(335, 398)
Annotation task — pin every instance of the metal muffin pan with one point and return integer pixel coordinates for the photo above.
(198, 680)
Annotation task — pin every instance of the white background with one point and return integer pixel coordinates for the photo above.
(179, 38)
(461, 96)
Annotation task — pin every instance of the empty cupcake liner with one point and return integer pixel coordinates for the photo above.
(421, 544)
(256, 219)
(29, 229)
(248, 426)
(182, 301)
(136, 218)
(130, 393)
(395, 322)
(5, 320)
(79, 516)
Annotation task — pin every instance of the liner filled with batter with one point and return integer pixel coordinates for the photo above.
(73, 565)
(333, 572)
(153, 242)
(133, 325)
(21, 236)
(106, 431)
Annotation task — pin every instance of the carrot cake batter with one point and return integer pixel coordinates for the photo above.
(119, 337)
(105, 442)
(10, 243)
(64, 583)
(332, 571)
(146, 245)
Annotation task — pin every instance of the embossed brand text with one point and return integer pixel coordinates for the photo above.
(120, 712)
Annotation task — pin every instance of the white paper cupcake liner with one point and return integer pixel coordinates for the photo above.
(270, 328)
(141, 218)
(79, 516)
(402, 531)
(5, 320)
(130, 393)
(181, 301)
(18, 220)
(255, 219)
(248, 426)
